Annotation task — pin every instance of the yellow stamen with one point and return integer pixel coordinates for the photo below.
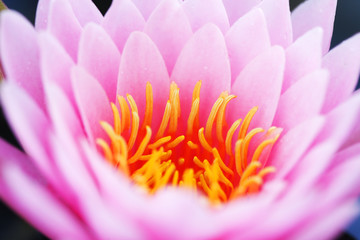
(148, 107)
(190, 156)
(125, 113)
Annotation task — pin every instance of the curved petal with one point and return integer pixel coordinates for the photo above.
(341, 121)
(201, 12)
(92, 102)
(316, 13)
(259, 84)
(64, 118)
(99, 56)
(321, 227)
(236, 9)
(86, 11)
(64, 25)
(39, 205)
(146, 7)
(142, 62)
(343, 62)
(56, 64)
(203, 60)
(32, 133)
(277, 14)
(294, 144)
(303, 57)
(307, 95)
(169, 28)
(42, 13)
(120, 20)
(247, 38)
(19, 67)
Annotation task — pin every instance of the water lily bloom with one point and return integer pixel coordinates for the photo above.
(194, 119)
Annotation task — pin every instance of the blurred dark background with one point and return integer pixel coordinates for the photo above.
(347, 23)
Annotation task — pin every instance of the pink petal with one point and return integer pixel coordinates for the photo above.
(85, 11)
(203, 60)
(341, 121)
(303, 57)
(347, 154)
(343, 62)
(201, 12)
(56, 64)
(42, 13)
(20, 67)
(10, 154)
(314, 164)
(342, 178)
(277, 14)
(245, 40)
(63, 116)
(121, 19)
(310, 14)
(32, 133)
(146, 7)
(99, 56)
(63, 24)
(329, 226)
(40, 204)
(307, 95)
(294, 144)
(236, 9)
(259, 88)
(92, 102)
(142, 62)
(164, 26)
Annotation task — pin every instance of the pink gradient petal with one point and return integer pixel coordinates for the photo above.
(201, 12)
(92, 102)
(142, 62)
(315, 164)
(342, 184)
(236, 9)
(61, 15)
(42, 208)
(203, 60)
(303, 57)
(307, 94)
(99, 56)
(107, 177)
(32, 133)
(42, 13)
(317, 13)
(85, 11)
(259, 88)
(341, 121)
(240, 40)
(167, 21)
(350, 153)
(19, 67)
(146, 7)
(292, 145)
(332, 224)
(343, 62)
(10, 154)
(63, 116)
(277, 14)
(120, 20)
(56, 64)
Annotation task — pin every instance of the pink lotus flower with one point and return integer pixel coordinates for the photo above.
(131, 128)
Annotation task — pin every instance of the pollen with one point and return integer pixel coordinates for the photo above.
(220, 161)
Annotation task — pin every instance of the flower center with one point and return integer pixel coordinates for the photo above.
(220, 167)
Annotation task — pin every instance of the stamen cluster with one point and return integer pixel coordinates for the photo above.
(219, 167)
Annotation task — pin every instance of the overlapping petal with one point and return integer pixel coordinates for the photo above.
(61, 79)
